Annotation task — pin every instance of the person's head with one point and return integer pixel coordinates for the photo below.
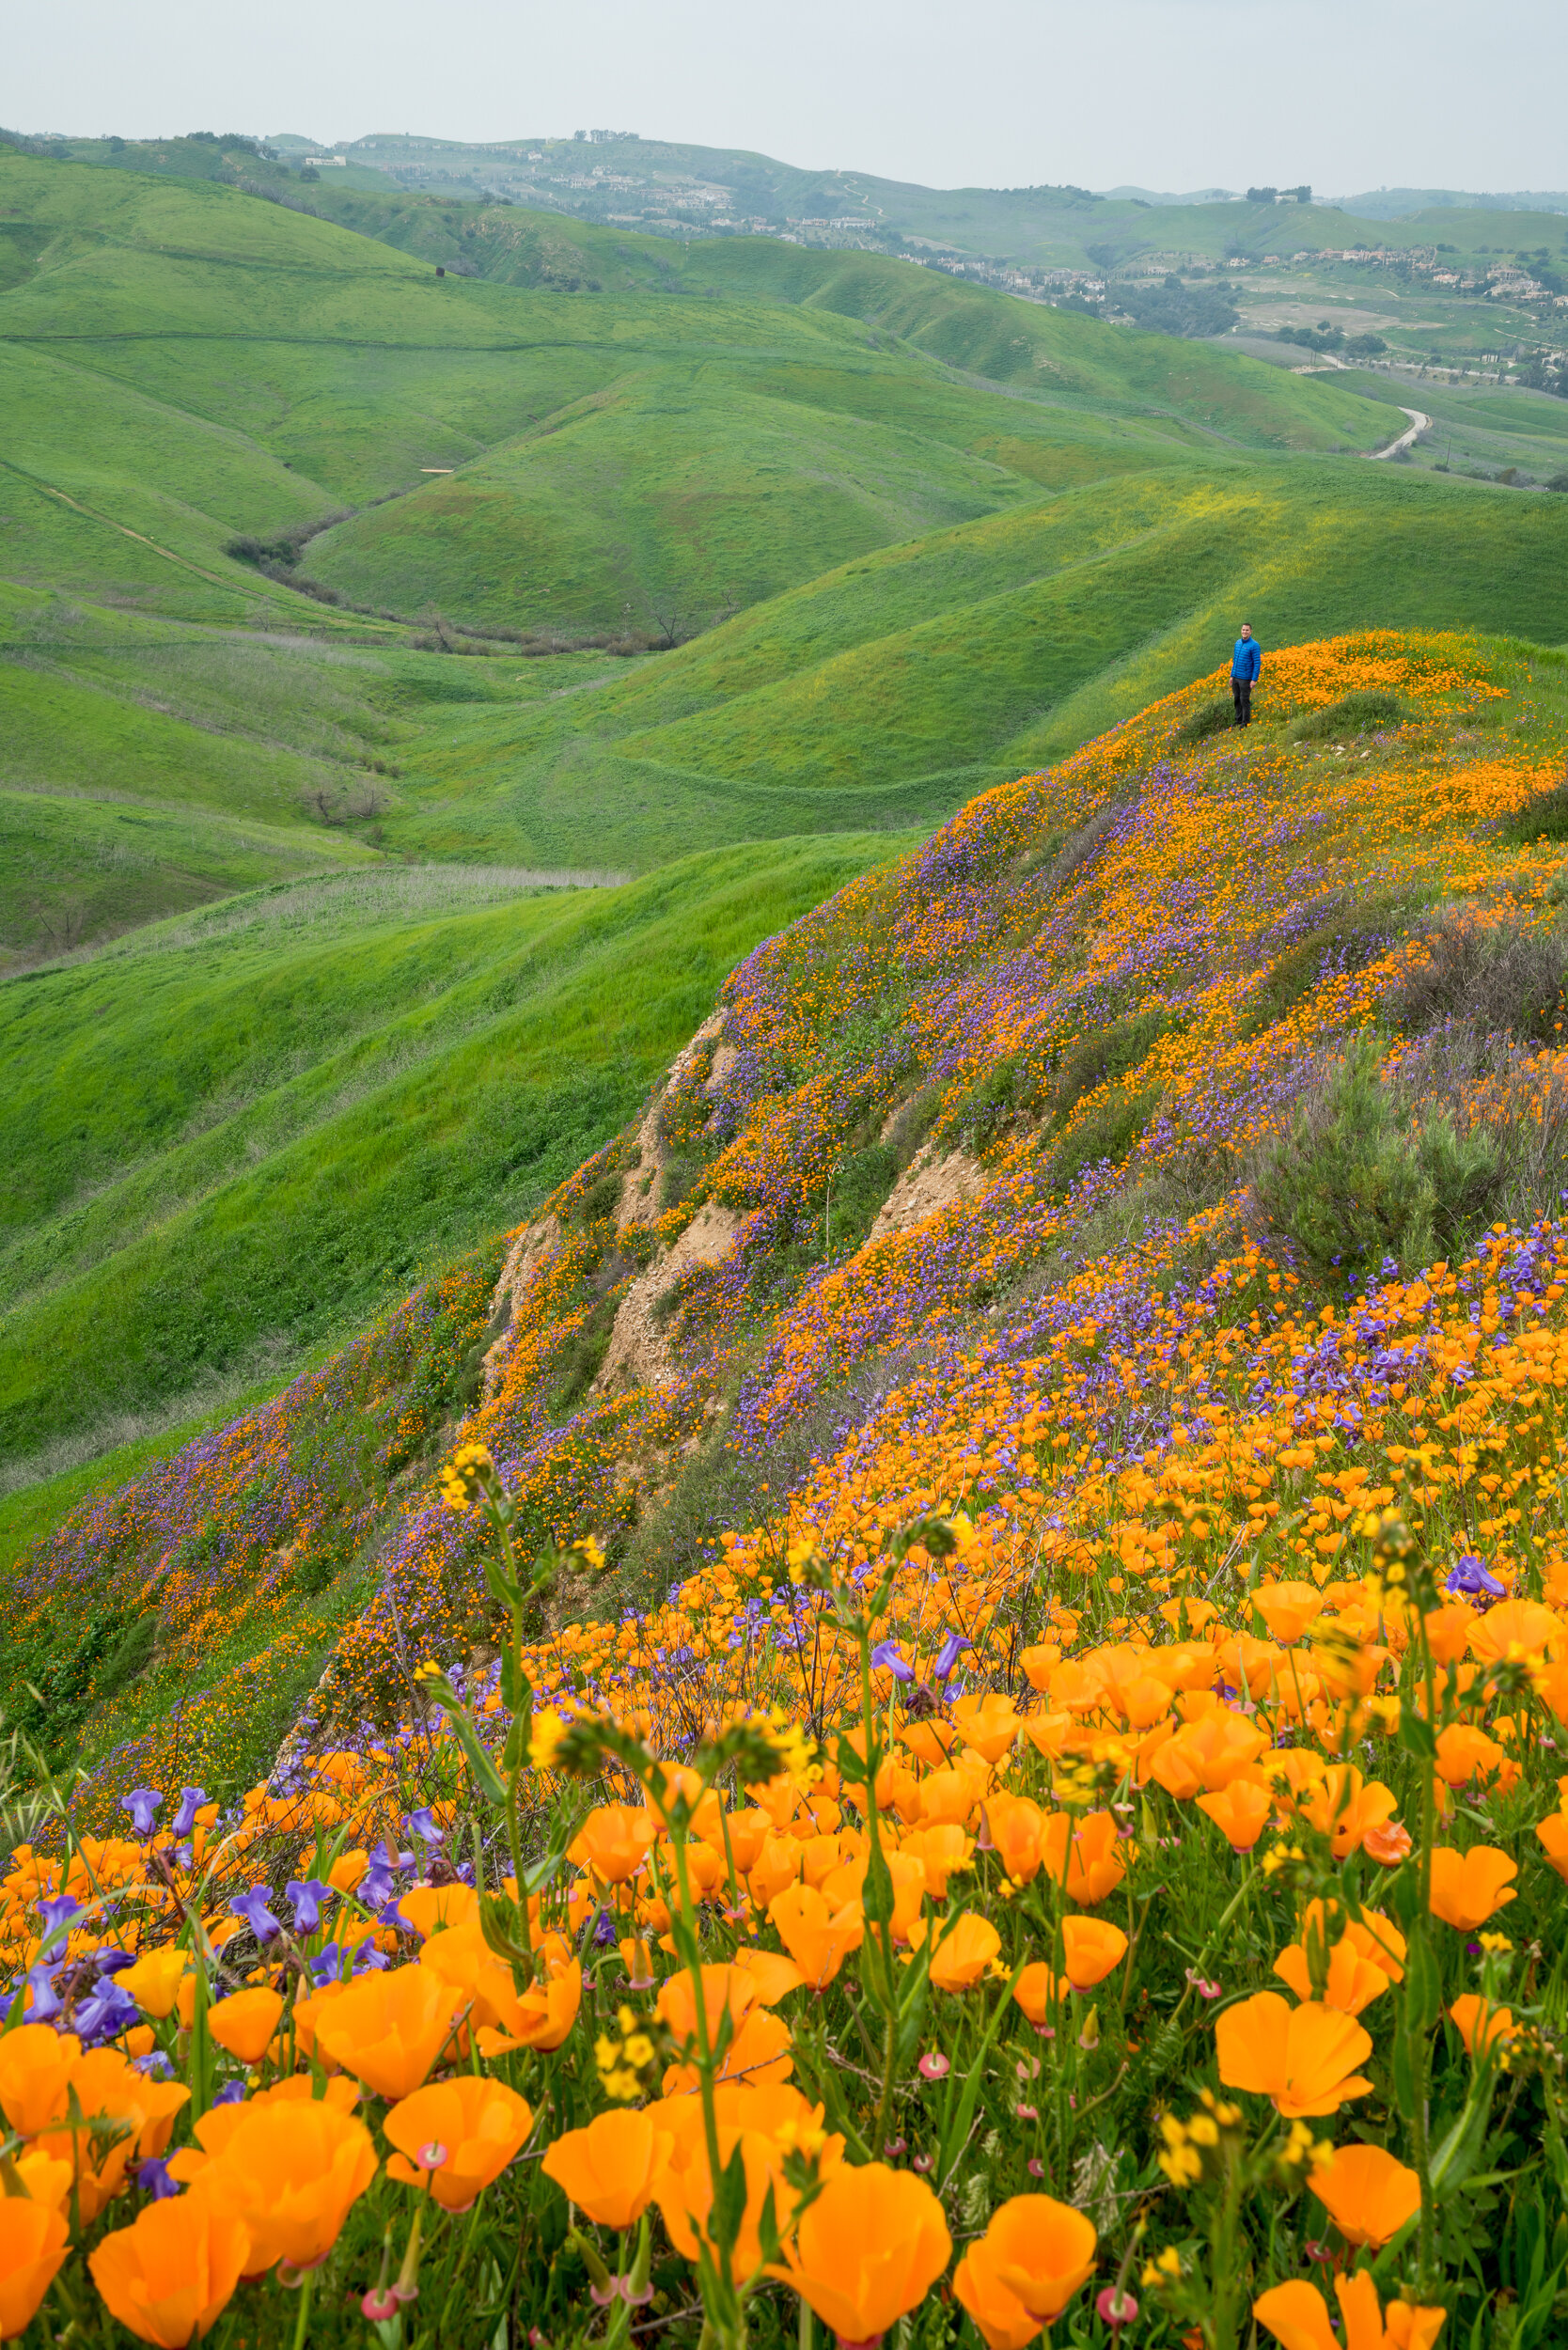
(1247, 628)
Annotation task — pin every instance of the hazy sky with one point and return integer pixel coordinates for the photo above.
(1348, 94)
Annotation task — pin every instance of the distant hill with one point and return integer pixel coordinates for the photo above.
(1401, 203)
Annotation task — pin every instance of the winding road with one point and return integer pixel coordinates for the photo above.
(1418, 426)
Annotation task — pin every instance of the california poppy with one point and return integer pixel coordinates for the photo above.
(766, 2124)
(611, 2170)
(1036, 1991)
(1553, 1834)
(387, 2030)
(1478, 2019)
(1366, 2194)
(1086, 1858)
(868, 2251)
(35, 2066)
(33, 2245)
(964, 1953)
(245, 2023)
(1351, 1980)
(1090, 1948)
(1468, 1888)
(1304, 2058)
(154, 1981)
(818, 1937)
(1026, 2268)
(291, 2171)
(473, 2124)
(1240, 1810)
(1296, 2315)
(169, 2276)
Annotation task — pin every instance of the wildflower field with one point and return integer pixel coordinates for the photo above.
(931, 1707)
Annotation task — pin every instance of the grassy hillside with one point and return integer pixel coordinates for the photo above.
(899, 683)
(333, 1083)
(803, 381)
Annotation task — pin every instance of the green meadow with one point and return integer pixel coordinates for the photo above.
(335, 1084)
(825, 544)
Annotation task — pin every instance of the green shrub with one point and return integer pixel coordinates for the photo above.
(1010, 1090)
(856, 1196)
(1106, 1135)
(1206, 720)
(1542, 818)
(1352, 713)
(1356, 1179)
(1350, 935)
(1506, 981)
(1104, 1053)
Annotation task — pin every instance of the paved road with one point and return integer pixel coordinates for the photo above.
(1418, 426)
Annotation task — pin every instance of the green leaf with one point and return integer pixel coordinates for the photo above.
(1416, 1736)
(1423, 1986)
(486, 1778)
(729, 2206)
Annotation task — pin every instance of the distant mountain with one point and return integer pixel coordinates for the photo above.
(1399, 203)
(1157, 195)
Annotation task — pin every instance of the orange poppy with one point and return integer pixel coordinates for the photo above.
(1240, 1810)
(1304, 2058)
(1478, 2019)
(1026, 2268)
(868, 2251)
(767, 2124)
(1344, 1806)
(1296, 2315)
(1035, 1991)
(35, 2067)
(818, 1937)
(1091, 1947)
(169, 2276)
(1014, 1822)
(1352, 1980)
(943, 1851)
(1468, 1888)
(776, 1865)
(612, 2168)
(290, 2171)
(965, 1951)
(1366, 2194)
(388, 2029)
(458, 2136)
(245, 2024)
(1465, 1752)
(1553, 1834)
(33, 2245)
(990, 1724)
(613, 1840)
(124, 2116)
(1288, 1609)
(431, 1908)
(154, 1981)
(1088, 1860)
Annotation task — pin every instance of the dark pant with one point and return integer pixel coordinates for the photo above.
(1240, 694)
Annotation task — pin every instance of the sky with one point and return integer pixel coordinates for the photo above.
(1166, 94)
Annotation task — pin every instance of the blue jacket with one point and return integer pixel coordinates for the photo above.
(1248, 659)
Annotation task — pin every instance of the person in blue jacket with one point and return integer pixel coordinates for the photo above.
(1245, 662)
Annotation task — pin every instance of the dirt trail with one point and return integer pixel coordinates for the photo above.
(1418, 424)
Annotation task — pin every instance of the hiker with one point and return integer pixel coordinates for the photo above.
(1245, 662)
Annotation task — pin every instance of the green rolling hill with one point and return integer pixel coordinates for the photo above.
(335, 1082)
(952, 534)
